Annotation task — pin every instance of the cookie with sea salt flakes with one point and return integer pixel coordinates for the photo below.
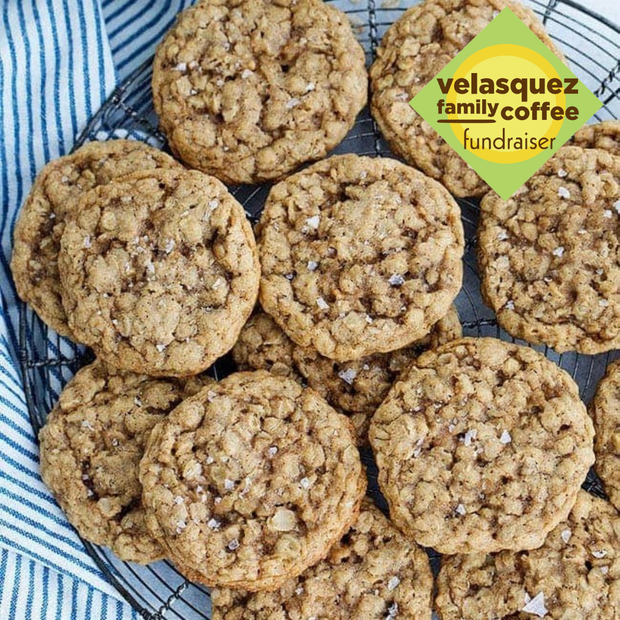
(372, 573)
(574, 574)
(159, 271)
(359, 255)
(53, 197)
(248, 90)
(482, 445)
(354, 388)
(605, 410)
(91, 445)
(413, 51)
(549, 256)
(358, 387)
(251, 481)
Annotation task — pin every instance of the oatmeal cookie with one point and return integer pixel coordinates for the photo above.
(251, 481)
(359, 255)
(415, 48)
(159, 271)
(358, 387)
(262, 345)
(372, 573)
(54, 194)
(248, 90)
(550, 256)
(575, 574)
(481, 446)
(605, 136)
(605, 410)
(91, 445)
(354, 388)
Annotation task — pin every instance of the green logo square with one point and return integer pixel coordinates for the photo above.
(505, 103)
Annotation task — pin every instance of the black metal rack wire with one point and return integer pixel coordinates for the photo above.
(591, 45)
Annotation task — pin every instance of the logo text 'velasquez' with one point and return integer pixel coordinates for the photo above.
(505, 103)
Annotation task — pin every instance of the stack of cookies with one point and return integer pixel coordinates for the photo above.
(339, 312)
(122, 249)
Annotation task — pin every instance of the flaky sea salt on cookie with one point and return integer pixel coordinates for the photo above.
(159, 271)
(482, 445)
(358, 387)
(91, 445)
(359, 255)
(251, 481)
(51, 200)
(354, 388)
(574, 574)
(549, 256)
(372, 573)
(248, 90)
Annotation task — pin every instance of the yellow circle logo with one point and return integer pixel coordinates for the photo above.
(500, 115)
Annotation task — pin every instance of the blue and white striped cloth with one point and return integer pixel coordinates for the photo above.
(59, 60)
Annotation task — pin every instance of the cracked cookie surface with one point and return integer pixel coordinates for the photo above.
(354, 388)
(414, 49)
(159, 271)
(53, 196)
(91, 445)
(550, 256)
(481, 445)
(359, 255)
(262, 345)
(248, 90)
(358, 387)
(575, 574)
(251, 481)
(605, 410)
(372, 572)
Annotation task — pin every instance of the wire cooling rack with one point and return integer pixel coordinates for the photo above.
(592, 47)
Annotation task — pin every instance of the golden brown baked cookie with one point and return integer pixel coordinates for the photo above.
(54, 194)
(359, 255)
(575, 574)
(354, 388)
(550, 256)
(262, 345)
(248, 90)
(358, 387)
(251, 481)
(372, 573)
(605, 410)
(481, 446)
(415, 48)
(159, 271)
(91, 445)
(605, 136)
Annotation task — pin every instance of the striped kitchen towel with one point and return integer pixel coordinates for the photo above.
(59, 60)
